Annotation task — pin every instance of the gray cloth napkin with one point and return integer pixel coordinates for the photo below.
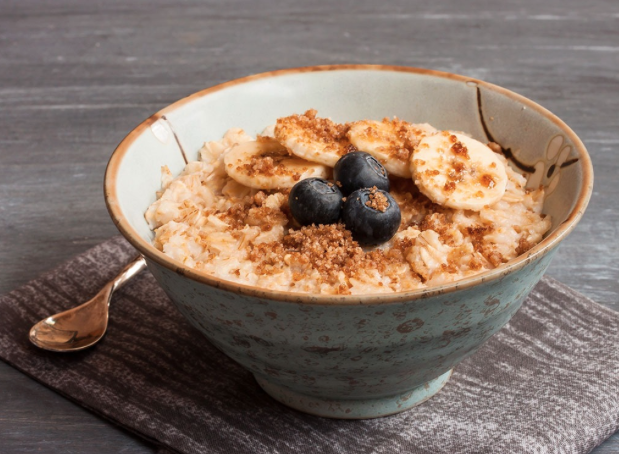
(547, 382)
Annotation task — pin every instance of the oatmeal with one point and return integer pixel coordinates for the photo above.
(461, 209)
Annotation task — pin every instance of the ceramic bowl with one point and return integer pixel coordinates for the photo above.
(351, 356)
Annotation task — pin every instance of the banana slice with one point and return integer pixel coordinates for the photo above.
(458, 172)
(315, 139)
(265, 164)
(389, 141)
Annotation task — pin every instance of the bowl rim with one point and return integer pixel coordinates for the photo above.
(154, 255)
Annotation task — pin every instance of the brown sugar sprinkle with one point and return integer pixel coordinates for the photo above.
(523, 245)
(487, 181)
(460, 150)
(435, 221)
(250, 211)
(325, 248)
(259, 198)
(315, 129)
(456, 174)
(328, 249)
(267, 164)
(458, 168)
(494, 257)
(475, 264)
(378, 200)
(402, 154)
(477, 233)
(263, 165)
(402, 139)
(449, 267)
(440, 223)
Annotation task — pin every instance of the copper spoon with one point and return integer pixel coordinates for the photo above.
(84, 325)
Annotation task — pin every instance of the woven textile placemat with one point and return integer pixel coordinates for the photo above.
(547, 382)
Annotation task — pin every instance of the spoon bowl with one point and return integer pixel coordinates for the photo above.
(82, 326)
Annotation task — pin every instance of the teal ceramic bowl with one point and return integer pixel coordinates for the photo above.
(351, 356)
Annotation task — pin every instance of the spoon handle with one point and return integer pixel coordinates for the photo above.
(128, 272)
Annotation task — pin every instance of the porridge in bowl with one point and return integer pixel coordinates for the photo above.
(313, 206)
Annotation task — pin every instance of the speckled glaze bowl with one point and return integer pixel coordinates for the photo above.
(351, 356)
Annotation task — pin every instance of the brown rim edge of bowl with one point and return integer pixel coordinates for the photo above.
(151, 253)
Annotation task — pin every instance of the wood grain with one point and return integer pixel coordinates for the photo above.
(76, 76)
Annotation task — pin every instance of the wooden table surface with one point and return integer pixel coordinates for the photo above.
(77, 76)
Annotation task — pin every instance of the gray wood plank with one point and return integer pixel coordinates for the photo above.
(76, 76)
(47, 422)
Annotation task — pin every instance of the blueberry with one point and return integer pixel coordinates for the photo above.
(358, 170)
(315, 201)
(372, 215)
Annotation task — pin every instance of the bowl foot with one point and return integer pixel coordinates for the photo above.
(354, 408)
